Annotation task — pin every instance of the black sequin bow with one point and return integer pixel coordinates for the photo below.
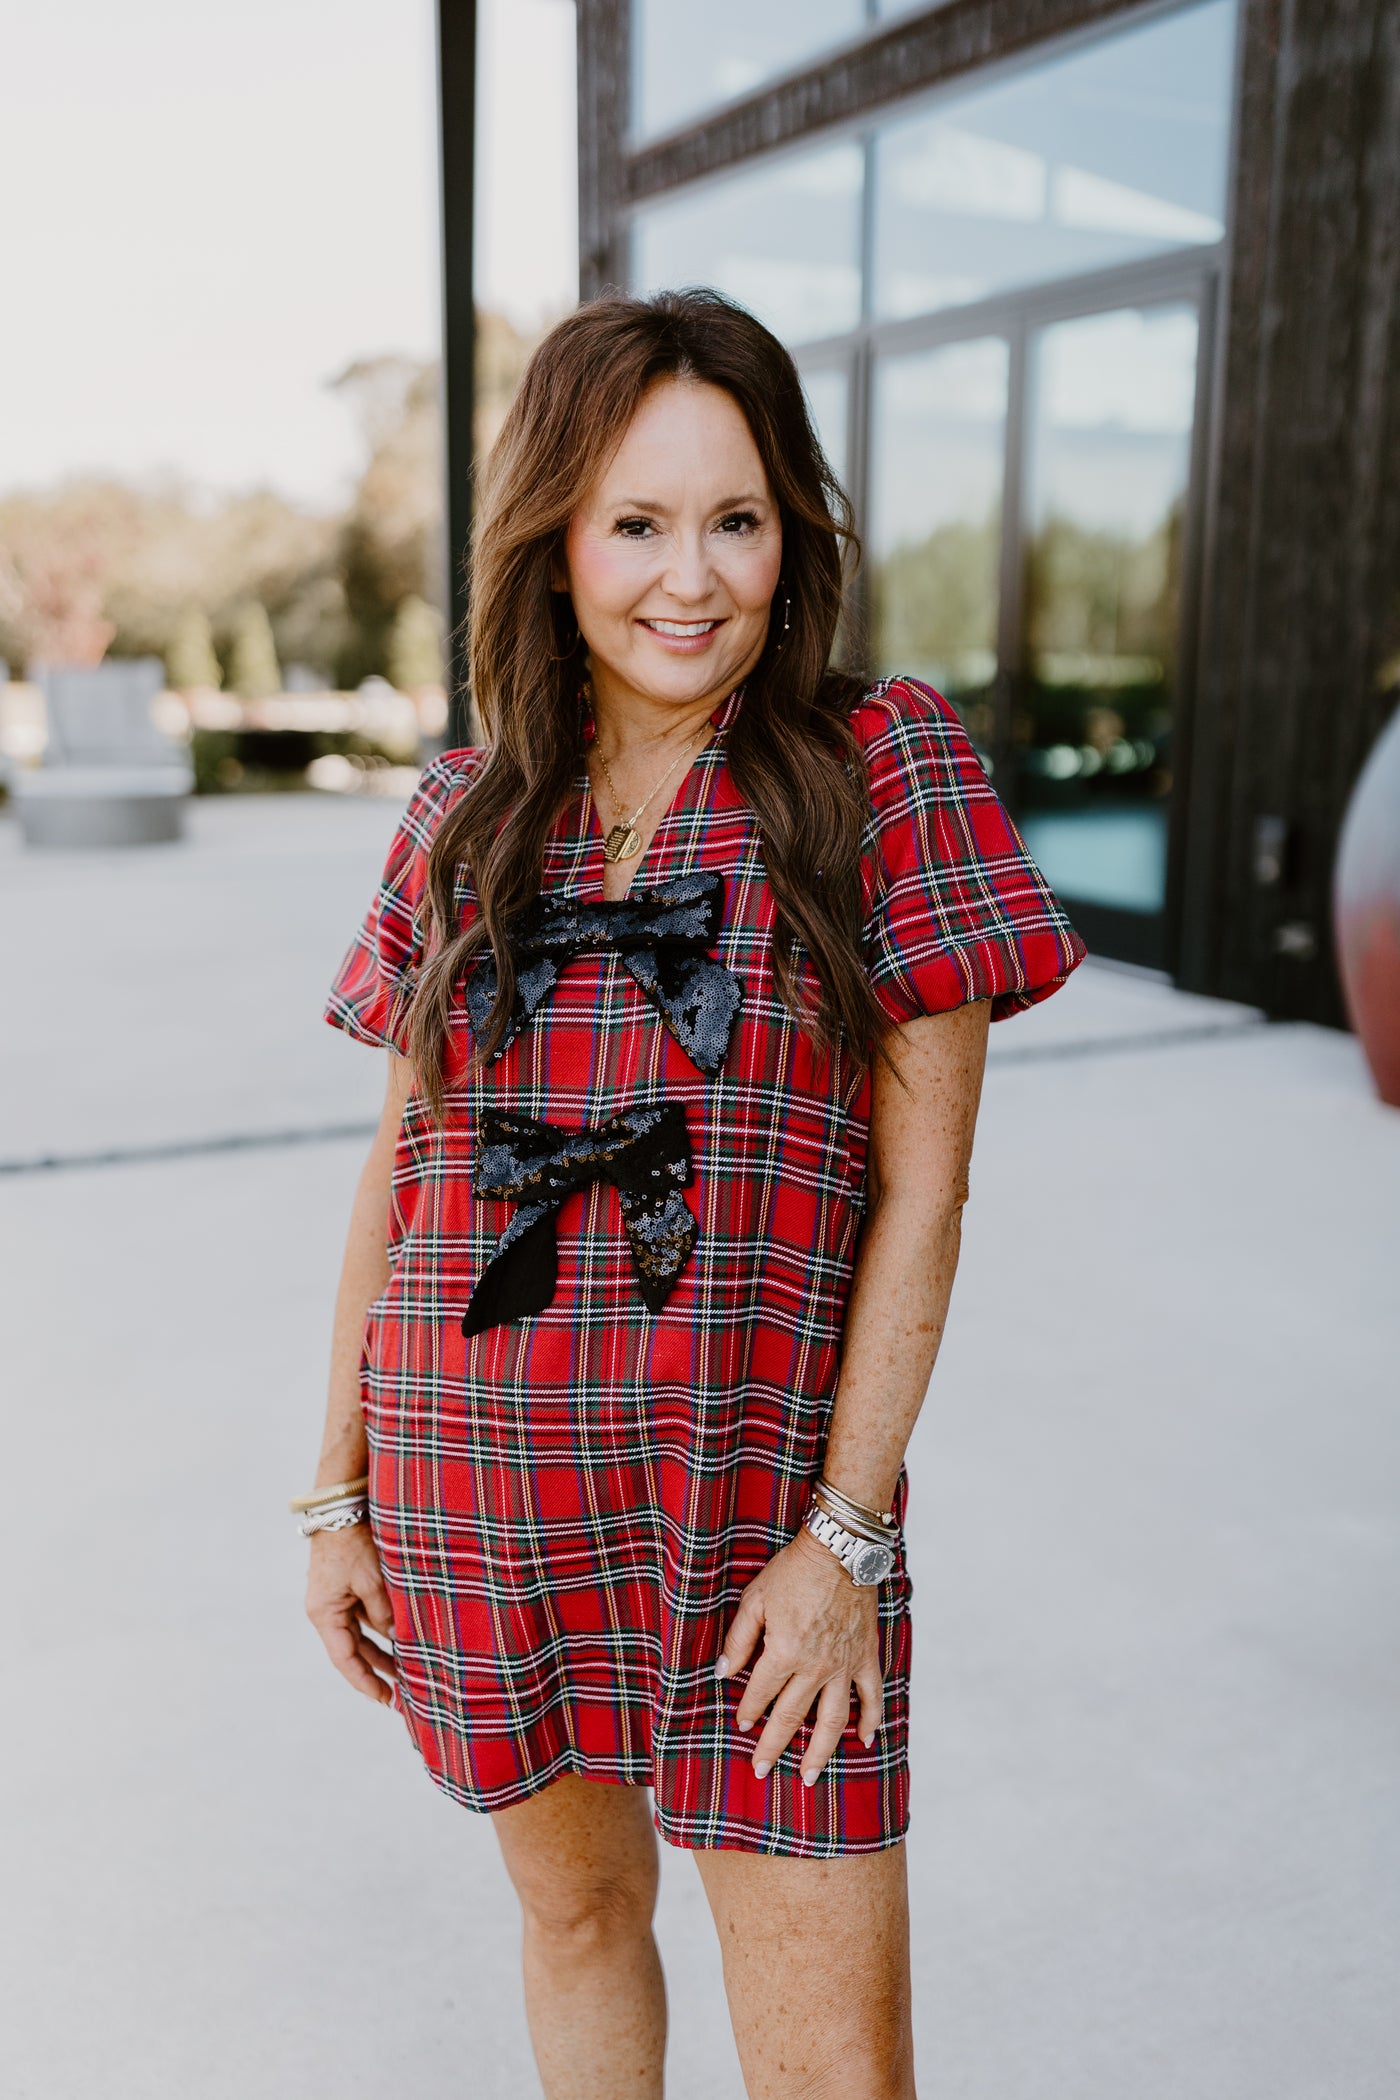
(660, 935)
(644, 1152)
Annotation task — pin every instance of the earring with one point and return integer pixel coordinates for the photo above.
(787, 613)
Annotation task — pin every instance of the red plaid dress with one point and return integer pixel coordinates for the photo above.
(568, 1506)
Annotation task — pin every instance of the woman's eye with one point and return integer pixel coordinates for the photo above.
(633, 528)
(739, 521)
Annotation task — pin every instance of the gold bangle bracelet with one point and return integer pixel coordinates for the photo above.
(303, 1503)
(884, 1517)
(873, 1534)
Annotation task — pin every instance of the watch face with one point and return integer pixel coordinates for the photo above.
(872, 1564)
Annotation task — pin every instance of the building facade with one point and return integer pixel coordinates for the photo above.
(1098, 310)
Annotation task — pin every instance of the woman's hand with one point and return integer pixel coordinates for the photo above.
(820, 1635)
(345, 1599)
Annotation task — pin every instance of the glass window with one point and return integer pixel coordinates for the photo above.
(829, 398)
(1108, 154)
(1110, 439)
(784, 241)
(938, 439)
(688, 58)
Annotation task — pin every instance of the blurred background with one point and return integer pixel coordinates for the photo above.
(247, 487)
(1097, 305)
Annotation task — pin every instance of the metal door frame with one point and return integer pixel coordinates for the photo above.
(1187, 278)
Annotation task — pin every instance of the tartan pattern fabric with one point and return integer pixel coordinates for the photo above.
(568, 1507)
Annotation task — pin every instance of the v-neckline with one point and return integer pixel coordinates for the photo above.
(597, 862)
(590, 866)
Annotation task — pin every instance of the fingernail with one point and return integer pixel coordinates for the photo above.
(744, 1727)
(868, 1739)
(809, 1778)
(761, 1770)
(722, 1666)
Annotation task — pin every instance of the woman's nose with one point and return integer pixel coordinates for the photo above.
(689, 576)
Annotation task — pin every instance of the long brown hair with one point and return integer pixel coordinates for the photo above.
(790, 749)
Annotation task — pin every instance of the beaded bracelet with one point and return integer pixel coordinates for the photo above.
(334, 1516)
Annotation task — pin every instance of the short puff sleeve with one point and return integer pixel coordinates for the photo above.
(956, 908)
(369, 994)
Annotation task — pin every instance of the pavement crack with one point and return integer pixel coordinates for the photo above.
(185, 1148)
(333, 1133)
(1117, 1045)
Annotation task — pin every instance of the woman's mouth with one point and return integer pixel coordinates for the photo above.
(684, 636)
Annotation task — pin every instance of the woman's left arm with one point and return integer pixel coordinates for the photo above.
(820, 1633)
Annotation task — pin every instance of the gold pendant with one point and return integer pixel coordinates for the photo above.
(622, 843)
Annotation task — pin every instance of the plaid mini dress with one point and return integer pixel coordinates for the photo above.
(645, 1211)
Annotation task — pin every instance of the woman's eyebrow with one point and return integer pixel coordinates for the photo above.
(650, 503)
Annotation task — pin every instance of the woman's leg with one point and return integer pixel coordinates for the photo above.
(816, 1964)
(583, 1860)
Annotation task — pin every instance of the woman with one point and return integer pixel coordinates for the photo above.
(685, 977)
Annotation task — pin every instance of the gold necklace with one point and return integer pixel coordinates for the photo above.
(624, 841)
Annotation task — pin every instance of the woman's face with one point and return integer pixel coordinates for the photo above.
(672, 558)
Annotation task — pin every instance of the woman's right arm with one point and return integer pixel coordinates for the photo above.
(345, 1593)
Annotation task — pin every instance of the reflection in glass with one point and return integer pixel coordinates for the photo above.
(783, 241)
(1111, 153)
(688, 58)
(829, 399)
(1110, 444)
(938, 432)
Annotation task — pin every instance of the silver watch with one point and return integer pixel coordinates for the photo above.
(864, 1560)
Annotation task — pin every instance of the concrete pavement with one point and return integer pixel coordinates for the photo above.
(1154, 1537)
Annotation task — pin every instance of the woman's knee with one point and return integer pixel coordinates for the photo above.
(584, 1866)
(576, 1914)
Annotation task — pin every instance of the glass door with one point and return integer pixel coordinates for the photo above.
(1028, 495)
(937, 467)
(1110, 411)
(828, 391)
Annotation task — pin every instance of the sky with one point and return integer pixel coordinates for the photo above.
(209, 211)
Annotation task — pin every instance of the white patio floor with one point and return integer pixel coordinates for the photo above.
(1154, 1535)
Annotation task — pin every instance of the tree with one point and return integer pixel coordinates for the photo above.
(389, 542)
(58, 553)
(252, 660)
(415, 646)
(93, 563)
(935, 600)
(190, 661)
(502, 354)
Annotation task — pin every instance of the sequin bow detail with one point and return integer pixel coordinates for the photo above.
(660, 936)
(644, 1152)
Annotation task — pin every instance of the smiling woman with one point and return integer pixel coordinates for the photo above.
(671, 591)
(620, 376)
(653, 1251)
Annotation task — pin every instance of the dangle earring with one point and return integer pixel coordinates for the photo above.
(787, 616)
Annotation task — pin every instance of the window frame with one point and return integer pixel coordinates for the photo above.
(757, 130)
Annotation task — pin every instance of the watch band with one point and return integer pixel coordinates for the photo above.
(866, 1561)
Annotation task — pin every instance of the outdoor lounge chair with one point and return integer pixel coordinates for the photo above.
(110, 777)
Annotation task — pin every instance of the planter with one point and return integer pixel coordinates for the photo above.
(1367, 903)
